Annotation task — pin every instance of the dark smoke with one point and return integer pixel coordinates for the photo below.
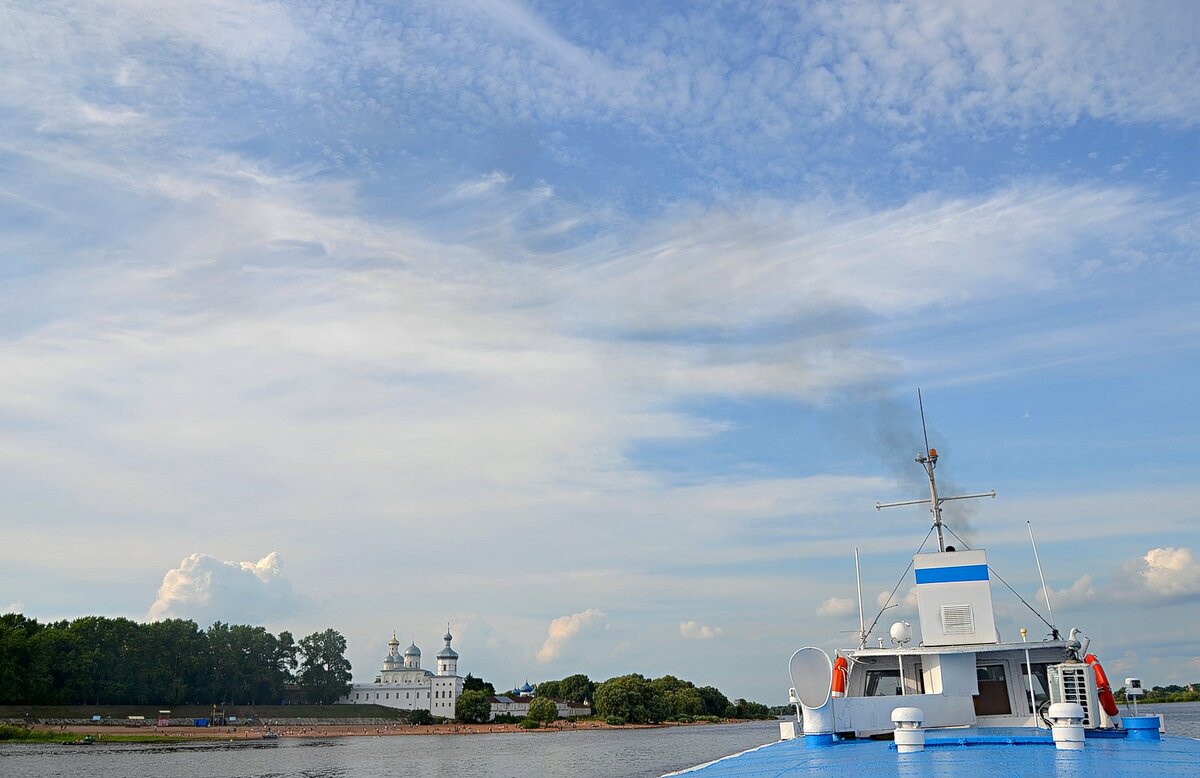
(898, 442)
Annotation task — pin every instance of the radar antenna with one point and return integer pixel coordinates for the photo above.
(928, 460)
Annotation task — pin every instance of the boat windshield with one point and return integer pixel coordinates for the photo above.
(886, 682)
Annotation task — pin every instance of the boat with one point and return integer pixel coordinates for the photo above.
(270, 734)
(961, 701)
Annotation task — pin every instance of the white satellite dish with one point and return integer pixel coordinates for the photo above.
(901, 632)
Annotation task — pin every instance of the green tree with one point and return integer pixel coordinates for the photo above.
(548, 689)
(16, 635)
(420, 717)
(473, 684)
(543, 709)
(683, 702)
(112, 660)
(744, 709)
(715, 703)
(53, 650)
(677, 697)
(472, 706)
(286, 661)
(630, 697)
(576, 688)
(176, 669)
(324, 669)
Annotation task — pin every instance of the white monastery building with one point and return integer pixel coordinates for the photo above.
(403, 684)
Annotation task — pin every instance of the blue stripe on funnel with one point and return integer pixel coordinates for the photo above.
(930, 575)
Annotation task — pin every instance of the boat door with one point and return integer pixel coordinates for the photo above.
(992, 699)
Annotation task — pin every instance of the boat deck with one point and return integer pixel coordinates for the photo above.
(963, 753)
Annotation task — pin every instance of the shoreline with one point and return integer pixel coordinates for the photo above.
(122, 734)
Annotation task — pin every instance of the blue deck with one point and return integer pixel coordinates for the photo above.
(962, 753)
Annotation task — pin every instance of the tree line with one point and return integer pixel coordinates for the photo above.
(1170, 693)
(632, 699)
(95, 660)
(636, 699)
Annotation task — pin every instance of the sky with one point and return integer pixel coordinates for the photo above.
(596, 331)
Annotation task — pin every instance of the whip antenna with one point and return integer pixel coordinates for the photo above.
(927, 459)
(921, 405)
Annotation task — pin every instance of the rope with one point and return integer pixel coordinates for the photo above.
(1053, 629)
(894, 589)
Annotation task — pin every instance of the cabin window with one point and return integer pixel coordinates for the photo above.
(1041, 687)
(882, 683)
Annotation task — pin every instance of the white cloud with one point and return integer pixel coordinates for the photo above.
(216, 328)
(694, 630)
(14, 607)
(206, 589)
(905, 604)
(837, 606)
(111, 117)
(1082, 591)
(482, 186)
(1162, 575)
(563, 629)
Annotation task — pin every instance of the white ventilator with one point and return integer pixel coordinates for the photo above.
(812, 677)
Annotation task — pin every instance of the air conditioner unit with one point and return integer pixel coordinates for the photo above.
(1076, 682)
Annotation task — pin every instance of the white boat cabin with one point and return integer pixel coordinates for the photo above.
(960, 674)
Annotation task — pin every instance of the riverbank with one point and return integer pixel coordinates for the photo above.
(114, 734)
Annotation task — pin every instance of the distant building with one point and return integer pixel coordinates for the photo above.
(516, 703)
(511, 705)
(402, 683)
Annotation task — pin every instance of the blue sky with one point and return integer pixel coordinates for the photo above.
(597, 334)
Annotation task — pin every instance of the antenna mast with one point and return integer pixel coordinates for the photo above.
(928, 460)
(862, 622)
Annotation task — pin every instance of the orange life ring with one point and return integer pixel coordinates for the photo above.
(841, 669)
(1103, 688)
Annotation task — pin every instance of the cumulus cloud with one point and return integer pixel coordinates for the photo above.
(694, 630)
(205, 589)
(905, 604)
(1083, 590)
(564, 629)
(14, 607)
(837, 606)
(1161, 575)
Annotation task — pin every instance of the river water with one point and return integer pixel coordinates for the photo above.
(597, 753)
(593, 753)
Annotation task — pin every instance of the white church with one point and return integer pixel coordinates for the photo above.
(403, 684)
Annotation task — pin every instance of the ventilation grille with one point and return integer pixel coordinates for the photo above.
(1072, 686)
(958, 620)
